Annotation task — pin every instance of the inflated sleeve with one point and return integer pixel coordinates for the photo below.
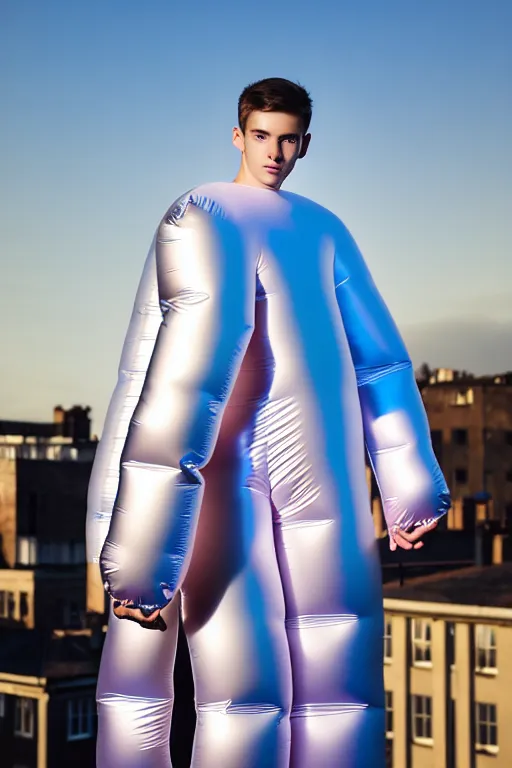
(136, 354)
(206, 286)
(397, 433)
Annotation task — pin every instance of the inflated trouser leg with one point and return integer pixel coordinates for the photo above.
(135, 693)
(233, 611)
(331, 578)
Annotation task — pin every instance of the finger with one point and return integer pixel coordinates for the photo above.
(417, 533)
(152, 616)
(401, 541)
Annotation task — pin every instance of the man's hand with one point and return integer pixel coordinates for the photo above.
(123, 610)
(409, 540)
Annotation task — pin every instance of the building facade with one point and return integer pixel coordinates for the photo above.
(471, 425)
(48, 657)
(448, 670)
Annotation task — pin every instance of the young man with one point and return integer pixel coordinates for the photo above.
(259, 361)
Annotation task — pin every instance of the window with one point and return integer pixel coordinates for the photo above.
(485, 648)
(388, 639)
(461, 476)
(62, 552)
(2, 704)
(464, 397)
(421, 711)
(459, 436)
(24, 611)
(81, 718)
(71, 616)
(486, 728)
(78, 552)
(421, 642)
(27, 550)
(7, 605)
(436, 437)
(389, 714)
(24, 718)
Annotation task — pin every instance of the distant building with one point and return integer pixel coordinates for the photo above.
(43, 494)
(448, 670)
(48, 657)
(471, 428)
(47, 700)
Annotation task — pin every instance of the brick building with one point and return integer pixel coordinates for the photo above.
(471, 428)
(471, 425)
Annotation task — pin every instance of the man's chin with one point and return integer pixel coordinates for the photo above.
(271, 180)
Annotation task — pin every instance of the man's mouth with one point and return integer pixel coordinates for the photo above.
(273, 169)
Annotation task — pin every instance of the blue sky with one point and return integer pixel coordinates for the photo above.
(112, 109)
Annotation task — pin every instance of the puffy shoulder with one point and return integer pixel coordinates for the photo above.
(199, 200)
(321, 214)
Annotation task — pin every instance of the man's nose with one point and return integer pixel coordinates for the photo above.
(275, 152)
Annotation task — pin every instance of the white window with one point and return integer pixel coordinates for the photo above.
(24, 718)
(7, 605)
(81, 718)
(485, 649)
(27, 550)
(388, 639)
(389, 714)
(421, 711)
(486, 728)
(421, 636)
(2, 704)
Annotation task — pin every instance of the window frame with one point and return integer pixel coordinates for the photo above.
(27, 551)
(460, 437)
(425, 717)
(488, 723)
(487, 649)
(421, 643)
(389, 714)
(84, 714)
(24, 706)
(460, 476)
(388, 640)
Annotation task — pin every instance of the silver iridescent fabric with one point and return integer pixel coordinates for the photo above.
(260, 363)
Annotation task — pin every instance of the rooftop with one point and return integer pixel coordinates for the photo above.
(490, 585)
(38, 654)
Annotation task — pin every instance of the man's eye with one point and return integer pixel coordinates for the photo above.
(291, 140)
(260, 136)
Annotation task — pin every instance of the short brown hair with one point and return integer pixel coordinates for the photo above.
(275, 94)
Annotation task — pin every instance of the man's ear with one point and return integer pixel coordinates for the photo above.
(305, 145)
(238, 138)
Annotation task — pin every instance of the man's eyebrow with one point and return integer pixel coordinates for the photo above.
(283, 136)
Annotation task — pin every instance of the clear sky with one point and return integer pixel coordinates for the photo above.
(112, 108)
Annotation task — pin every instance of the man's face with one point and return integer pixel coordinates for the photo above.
(270, 147)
